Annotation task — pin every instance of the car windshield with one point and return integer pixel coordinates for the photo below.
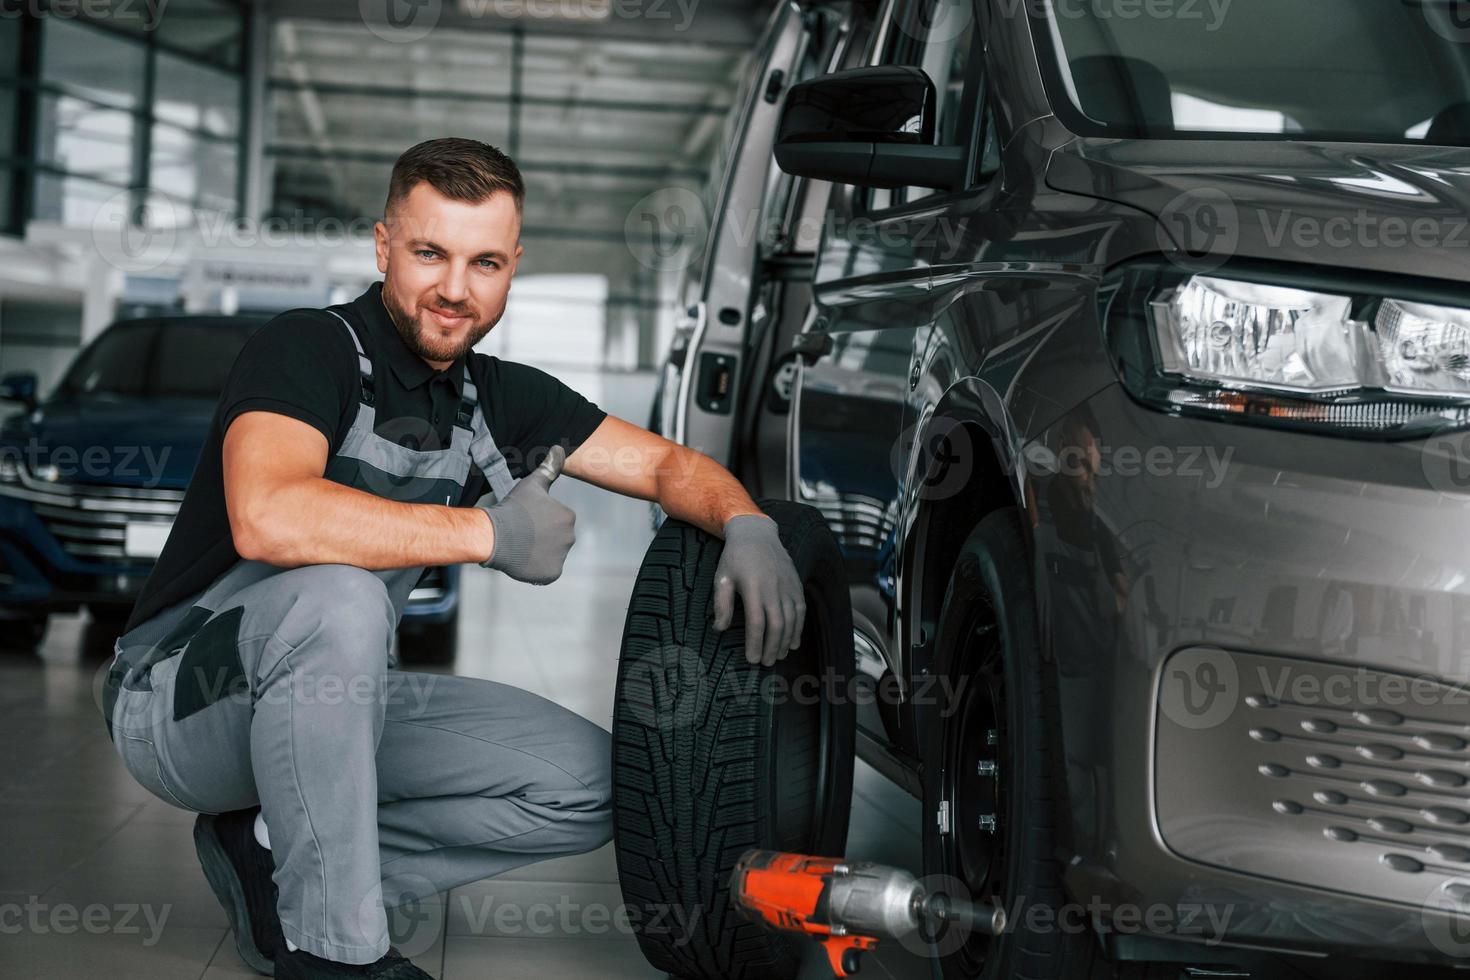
(158, 358)
(1380, 71)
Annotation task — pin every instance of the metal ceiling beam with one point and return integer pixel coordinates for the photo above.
(727, 24)
(450, 95)
(531, 166)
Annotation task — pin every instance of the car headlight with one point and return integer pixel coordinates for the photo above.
(1424, 348)
(1323, 355)
(1222, 330)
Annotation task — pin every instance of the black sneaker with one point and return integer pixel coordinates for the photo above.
(239, 870)
(301, 965)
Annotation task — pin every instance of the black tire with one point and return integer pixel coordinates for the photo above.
(429, 643)
(710, 759)
(988, 644)
(22, 632)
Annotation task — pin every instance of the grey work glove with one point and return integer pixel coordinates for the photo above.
(755, 565)
(533, 531)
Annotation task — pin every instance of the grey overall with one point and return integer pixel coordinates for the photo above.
(379, 786)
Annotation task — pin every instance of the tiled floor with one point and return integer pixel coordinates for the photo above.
(98, 878)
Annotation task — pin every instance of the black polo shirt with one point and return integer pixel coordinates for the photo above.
(302, 364)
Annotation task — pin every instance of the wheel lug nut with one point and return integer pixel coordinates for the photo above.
(987, 822)
(987, 767)
(992, 737)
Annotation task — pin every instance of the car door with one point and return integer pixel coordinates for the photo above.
(717, 295)
(872, 311)
(790, 226)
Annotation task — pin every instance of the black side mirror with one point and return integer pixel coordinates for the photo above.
(867, 126)
(19, 387)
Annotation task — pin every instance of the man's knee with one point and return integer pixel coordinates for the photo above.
(593, 770)
(341, 615)
(593, 765)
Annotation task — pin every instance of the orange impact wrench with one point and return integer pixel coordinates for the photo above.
(846, 905)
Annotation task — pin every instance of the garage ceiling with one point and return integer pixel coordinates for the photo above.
(597, 115)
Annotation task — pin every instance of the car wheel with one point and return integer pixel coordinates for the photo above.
(713, 756)
(995, 804)
(22, 632)
(428, 643)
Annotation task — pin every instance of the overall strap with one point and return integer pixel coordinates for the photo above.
(483, 451)
(487, 455)
(469, 401)
(364, 365)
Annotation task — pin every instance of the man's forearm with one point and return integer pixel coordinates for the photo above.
(319, 521)
(694, 488)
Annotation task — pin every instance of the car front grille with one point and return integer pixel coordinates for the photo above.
(90, 521)
(1333, 775)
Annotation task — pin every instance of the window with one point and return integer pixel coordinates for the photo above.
(782, 226)
(102, 130)
(167, 358)
(1326, 70)
(83, 138)
(196, 96)
(941, 37)
(69, 200)
(207, 28)
(196, 172)
(92, 63)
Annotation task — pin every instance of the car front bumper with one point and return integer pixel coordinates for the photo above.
(1261, 642)
(46, 567)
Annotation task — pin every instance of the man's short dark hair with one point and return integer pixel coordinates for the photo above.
(460, 169)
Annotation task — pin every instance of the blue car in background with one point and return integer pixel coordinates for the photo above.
(92, 477)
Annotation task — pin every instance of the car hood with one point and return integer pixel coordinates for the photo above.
(1382, 208)
(152, 443)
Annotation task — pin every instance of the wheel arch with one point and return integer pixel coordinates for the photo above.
(946, 506)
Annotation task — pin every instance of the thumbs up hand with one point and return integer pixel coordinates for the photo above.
(533, 530)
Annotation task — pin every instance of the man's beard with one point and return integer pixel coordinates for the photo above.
(411, 331)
